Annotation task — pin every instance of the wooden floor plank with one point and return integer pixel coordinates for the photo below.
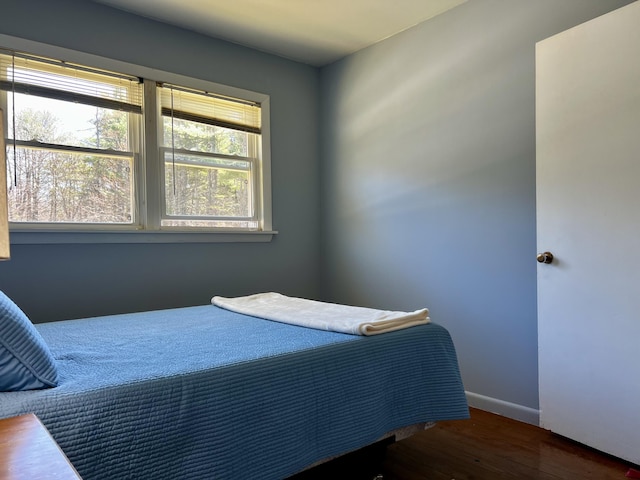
(485, 447)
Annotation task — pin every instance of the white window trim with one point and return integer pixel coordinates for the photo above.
(33, 235)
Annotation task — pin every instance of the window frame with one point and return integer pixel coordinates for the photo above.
(251, 127)
(149, 185)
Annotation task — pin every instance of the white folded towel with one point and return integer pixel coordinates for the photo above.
(322, 315)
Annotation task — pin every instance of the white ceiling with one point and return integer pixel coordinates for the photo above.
(316, 32)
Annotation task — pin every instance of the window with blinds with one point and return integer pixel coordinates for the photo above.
(72, 141)
(209, 152)
(78, 156)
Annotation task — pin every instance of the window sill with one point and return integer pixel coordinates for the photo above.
(31, 237)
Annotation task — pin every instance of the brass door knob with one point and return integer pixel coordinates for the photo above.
(546, 257)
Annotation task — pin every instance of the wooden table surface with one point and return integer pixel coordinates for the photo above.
(28, 452)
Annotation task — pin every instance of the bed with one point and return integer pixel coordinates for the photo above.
(206, 393)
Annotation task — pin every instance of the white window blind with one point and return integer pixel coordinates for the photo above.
(208, 108)
(56, 79)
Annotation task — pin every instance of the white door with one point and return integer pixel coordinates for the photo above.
(588, 217)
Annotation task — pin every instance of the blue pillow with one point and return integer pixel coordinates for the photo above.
(25, 360)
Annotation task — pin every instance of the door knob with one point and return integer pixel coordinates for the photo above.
(546, 257)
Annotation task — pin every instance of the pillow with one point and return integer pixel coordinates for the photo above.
(25, 360)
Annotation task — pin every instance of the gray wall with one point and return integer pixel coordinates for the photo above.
(428, 154)
(52, 282)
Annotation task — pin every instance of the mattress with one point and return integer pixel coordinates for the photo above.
(201, 392)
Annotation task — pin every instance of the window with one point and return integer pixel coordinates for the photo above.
(209, 152)
(93, 149)
(72, 142)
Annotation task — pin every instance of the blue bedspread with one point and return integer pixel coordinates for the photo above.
(204, 393)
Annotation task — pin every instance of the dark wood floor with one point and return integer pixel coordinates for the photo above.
(486, 447)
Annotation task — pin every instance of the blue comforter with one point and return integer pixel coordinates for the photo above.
(204, 393)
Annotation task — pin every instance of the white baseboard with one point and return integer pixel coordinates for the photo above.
(506, 409)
